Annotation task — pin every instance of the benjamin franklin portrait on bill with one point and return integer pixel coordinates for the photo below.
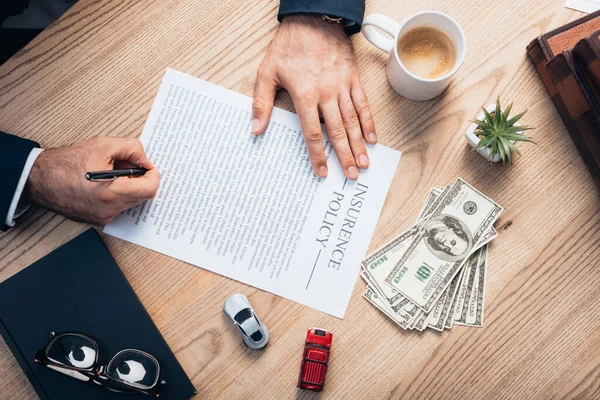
(448, 238)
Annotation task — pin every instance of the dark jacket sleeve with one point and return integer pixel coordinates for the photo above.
(13, 155)
(352, 11)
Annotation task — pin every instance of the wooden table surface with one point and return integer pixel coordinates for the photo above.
(96, 72)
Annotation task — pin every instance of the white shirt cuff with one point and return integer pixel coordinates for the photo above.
(15, 211)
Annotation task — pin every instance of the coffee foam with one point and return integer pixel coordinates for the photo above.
(427, 52)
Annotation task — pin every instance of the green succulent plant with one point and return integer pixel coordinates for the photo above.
(497, 132)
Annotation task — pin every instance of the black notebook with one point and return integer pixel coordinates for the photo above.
(79, 288)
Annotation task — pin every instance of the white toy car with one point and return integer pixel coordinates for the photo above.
(254, 332)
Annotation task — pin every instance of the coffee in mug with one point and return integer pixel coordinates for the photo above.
(427, 52)
(424, 53)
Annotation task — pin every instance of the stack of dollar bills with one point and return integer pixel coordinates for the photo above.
(433, 275)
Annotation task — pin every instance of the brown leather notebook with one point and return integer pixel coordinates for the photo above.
(581, 105)
(541, 50)
(587, 53)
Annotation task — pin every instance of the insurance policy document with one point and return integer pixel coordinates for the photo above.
(251, 208)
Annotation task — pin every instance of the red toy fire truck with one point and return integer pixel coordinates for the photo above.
(315, 359)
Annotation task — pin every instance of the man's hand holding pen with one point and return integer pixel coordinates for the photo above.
(57, 179)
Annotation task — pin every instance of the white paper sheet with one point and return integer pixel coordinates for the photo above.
(587, 6)
(251, 208)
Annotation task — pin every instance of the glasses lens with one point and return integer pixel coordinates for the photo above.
(73, 351)
(134, 368)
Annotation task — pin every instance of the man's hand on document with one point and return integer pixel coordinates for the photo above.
(57, 179)
(314, 60)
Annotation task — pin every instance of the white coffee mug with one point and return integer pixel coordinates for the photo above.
(404, 82)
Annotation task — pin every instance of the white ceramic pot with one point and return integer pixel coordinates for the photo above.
(473, 139)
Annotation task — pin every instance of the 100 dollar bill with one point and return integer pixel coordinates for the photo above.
(460, 218)
(379, 265)
(381, 262)
(374, 299)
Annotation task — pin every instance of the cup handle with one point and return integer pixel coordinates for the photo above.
(384, 23)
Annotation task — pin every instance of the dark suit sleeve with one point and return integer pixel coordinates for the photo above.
(351, 10)
(13, 155)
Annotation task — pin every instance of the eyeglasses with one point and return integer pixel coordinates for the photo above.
(76, 355)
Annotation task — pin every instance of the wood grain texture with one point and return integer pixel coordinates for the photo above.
(96, 72)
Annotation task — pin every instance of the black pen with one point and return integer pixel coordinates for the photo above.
(102, 176)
